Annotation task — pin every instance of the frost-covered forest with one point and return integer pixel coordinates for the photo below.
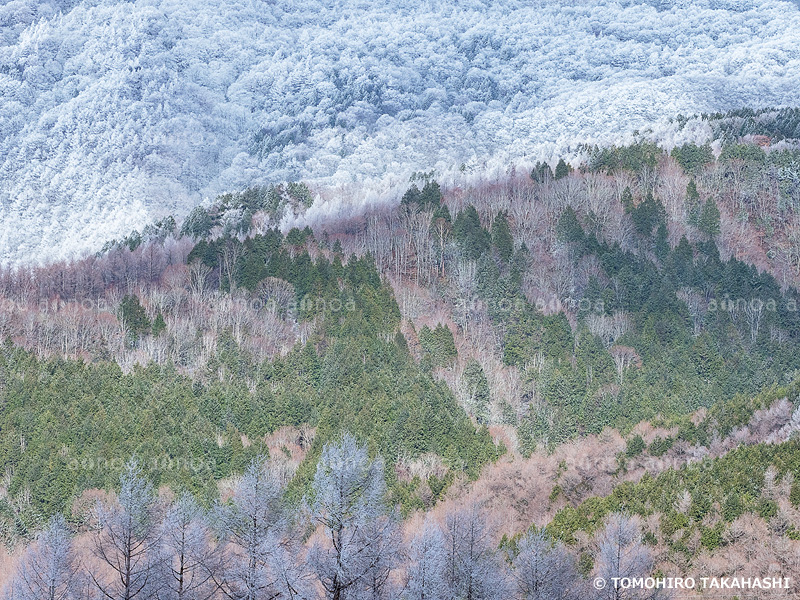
(117, 113)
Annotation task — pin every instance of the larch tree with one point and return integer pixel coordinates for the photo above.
(381, 555)
(48, 570)
(189, 560)
(347, 505)
(127, 541)
(621, 553)
(253, 528)
(544, 570)
(425, 575)
(474, 570)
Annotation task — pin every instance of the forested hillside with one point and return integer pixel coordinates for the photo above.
(429, 356)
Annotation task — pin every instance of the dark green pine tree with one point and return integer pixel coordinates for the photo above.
(794, 495)
(647, 215)
(295, 237)
(627, 200)
(442, 213)
(502, 239)
(198, 224)
(661, 247)
(158, 325)
(693, 203)
(568, 228)
(431, 195)
(473, 239)
(477, 387)
(562, 169)
(411, 196)
(709, 222)
(692, 158)
(134, 317)
(438, 345)
(542, 173)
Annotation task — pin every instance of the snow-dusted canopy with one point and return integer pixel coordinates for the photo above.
(114, 113)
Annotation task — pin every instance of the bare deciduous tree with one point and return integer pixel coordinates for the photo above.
(620, 554)
(253, 526)
(624, 357)
(609, 328)
(277, 294)
(425, 575)
(545, 570)
(48, 569)
(127, 541)
(188, 557)
(348, 506)
(754, 311)
(474, 569)
(199, 273)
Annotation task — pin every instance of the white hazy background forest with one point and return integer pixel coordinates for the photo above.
(113, 114)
